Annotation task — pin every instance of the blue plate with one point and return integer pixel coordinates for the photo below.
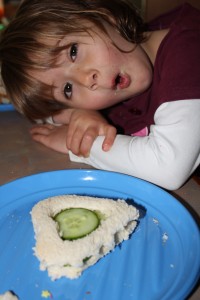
(160, 261)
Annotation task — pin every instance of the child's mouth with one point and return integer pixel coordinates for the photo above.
(122, 81)
(117, 80)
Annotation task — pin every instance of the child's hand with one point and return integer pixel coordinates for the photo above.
(78, 136)
(84, 127)
(63, 117)
(51, 136)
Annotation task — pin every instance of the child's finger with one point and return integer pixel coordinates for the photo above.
(40, 138)
(109, 138)
(87, 141)
(41, 129)
(74, 141)
(69, 136)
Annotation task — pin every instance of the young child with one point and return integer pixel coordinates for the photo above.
(94, 67)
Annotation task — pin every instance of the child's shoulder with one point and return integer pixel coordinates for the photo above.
(184, 12)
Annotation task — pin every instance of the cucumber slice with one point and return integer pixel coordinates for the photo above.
(75, 223)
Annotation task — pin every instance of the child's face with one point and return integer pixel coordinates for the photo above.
(94, 74)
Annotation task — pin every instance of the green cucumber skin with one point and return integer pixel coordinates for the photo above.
(76, 223)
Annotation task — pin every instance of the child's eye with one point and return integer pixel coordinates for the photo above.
(73, 51)
(68, 90)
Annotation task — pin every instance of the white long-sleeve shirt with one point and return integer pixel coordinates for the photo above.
(166, 157)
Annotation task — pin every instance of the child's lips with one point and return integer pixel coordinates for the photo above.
(122, 81)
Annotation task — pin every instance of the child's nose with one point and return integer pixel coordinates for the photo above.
(88, 78)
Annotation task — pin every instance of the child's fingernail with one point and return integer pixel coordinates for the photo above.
(106, 147)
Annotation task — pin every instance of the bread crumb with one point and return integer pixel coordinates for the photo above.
(164, 237)
(46, 294)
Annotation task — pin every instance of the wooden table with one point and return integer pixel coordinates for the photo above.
(20, 156)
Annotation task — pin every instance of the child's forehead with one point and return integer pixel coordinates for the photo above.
(73, 36)
(85, 30)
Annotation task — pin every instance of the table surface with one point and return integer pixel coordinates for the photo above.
(20, 156)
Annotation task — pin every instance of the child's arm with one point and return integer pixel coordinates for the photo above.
(77, 131)
(166, 157)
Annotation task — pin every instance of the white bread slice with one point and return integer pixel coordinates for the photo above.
(69, 258)
(8, 296)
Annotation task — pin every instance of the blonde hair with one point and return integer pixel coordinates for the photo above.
(25, 46)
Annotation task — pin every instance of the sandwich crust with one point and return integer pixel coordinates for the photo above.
(70, 258)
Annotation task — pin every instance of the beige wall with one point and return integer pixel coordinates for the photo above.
(153, 8)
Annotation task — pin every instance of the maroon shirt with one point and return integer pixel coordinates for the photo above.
(176, 72)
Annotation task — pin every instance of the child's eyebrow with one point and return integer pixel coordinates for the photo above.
(53, 87)
(54, 94)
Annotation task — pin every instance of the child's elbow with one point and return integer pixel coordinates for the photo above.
(172, 185)
(173, 179)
